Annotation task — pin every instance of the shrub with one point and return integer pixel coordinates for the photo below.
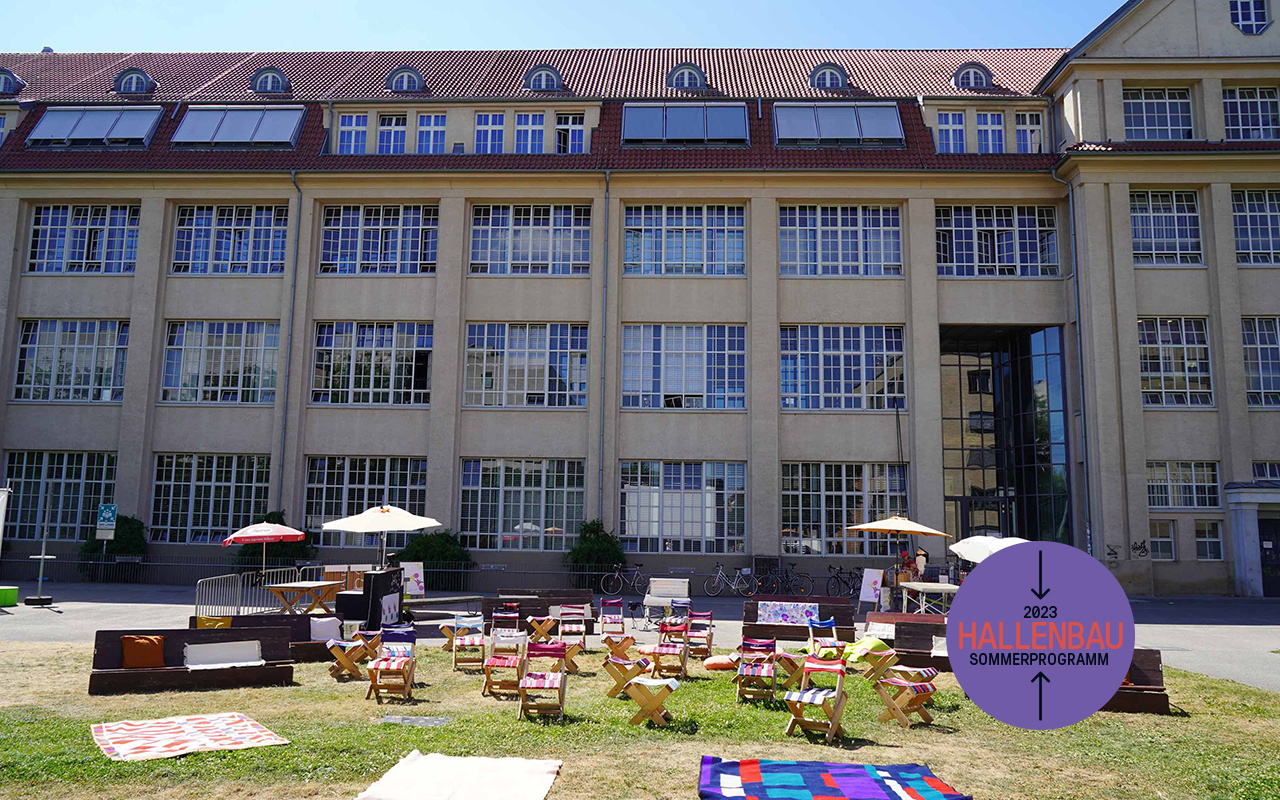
(595, 551)
(249, 556)
(446, 562)
(130, 540)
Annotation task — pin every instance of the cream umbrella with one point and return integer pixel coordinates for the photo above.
(380, 519)
(900, 525)
(978, 548)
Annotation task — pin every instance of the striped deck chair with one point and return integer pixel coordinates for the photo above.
(463, 624)
(673, 629)
(701, 629)
(506, 654)
(905, 691)
(573, 625)
(669, 658)
(551, 681)
(789, 668)
(611, 619)
(755, 678)
(623, 670)
(618, 645)
(831, 701)
(468, 643)
(348, 654)
(391, 672)
(822, 636)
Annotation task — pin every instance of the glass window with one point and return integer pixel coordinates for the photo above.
(201, 499)
(543, 80)
(406, 80)
(1266, 470)
(683, 506)
(990, 132)
(1030, 130)
(353, 129)
(1166, 227)
(530, 129)
(1262, 360)
(686, 78)
(971, 78)
(950, 131)
(821, 501)
(489, 133)
(1208, 540)
(571, 133)
(220, 362)
(1157, 114)
(84, 239)
(57, 490)
(1161, 533)
(531, 240)
(391, 133)
(230, 240)
(1250, 16)
(685, 240)
(840, 240)
(341, 486)
(684, 366)
(379, 240)
(1173, 356)
(1256, 217)
(997, 241)
(526, 365)
(372, 363)
(71, 360)
(431, 130)
(843, 367)
(1251, 113)
(522, 504)
(1182, 484)
(269, 82)
(2, 116)
(827, 78)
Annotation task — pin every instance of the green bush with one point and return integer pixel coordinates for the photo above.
(595, 552)
(130, 540)
(445, 561)
(250, 555)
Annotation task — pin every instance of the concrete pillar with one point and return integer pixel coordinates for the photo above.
(1113, 109)
(1246, 559)
(446, 372)
(924, 382)
(1210, 102)
(288, 461)
(11, 266)
(1230, 390)
(612, 400)
(598, 335)
(763, 480)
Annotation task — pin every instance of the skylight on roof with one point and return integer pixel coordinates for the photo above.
(239, 126)
(95, 126)
(837, 124)
(684, 123)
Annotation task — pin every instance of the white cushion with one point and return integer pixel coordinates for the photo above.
(880, 630)
(218, 655)
(939, 647)
(325, 628)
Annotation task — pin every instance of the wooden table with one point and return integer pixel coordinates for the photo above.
(291, 594)
(924, 589)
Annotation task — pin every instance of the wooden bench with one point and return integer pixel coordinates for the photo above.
(108, 677)
(913, 637)
(1145, 692)
(844, 613)
(302, 648)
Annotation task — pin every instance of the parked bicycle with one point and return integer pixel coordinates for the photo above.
(744, 585)
(843, 582)
(785, 580)
(612, 583)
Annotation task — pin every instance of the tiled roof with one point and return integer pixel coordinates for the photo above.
(607, 153)
(1162, 146)
(456, 75)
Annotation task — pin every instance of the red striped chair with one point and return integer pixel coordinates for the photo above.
(551, 681)
(573, 625)
(674, 651)
(506, 654)
(755, 678)
(391, 672)
(505, 620)
(831, 701)
(905, 692)
(701, 629)
(611, 620)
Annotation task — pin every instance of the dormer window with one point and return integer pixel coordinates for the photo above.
(1250, 16)
(543, 79)
(134, 81)
(10, 83)
(404, 79)
(269, 80)
(828, 76)
(687, 76)
(972, 76)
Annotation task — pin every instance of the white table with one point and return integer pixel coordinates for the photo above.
(924, 589)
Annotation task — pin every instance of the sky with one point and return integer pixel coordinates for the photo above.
(235, 25)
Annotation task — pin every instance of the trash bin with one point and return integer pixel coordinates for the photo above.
(8, 596)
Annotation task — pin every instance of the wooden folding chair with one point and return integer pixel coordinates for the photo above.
(673, 629)
(573, 625)
(831, 701)
(468, 650)
(391, 672)
(756, 679)
(676, 655)
(789, 668)
(822, 636)
(651, 694)
(619, 646)
(612, 622)
(346, 655)
(623, 670)
(903, 690)
(463, 625)
(540, 629)
(505, 654)
(701, 630)
(505, 620)
(552, 680)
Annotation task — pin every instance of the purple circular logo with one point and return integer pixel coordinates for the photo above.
(1040, 635)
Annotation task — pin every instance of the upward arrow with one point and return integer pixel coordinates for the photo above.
(1043, 679)
(1041, 592)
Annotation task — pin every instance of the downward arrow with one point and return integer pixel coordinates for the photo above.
(1043, 679)
(1042, 591)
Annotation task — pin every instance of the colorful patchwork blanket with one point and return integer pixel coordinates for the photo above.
(814, 780)
(774, 612)
(142, 740)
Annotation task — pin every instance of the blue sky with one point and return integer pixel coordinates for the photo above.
(150, 25)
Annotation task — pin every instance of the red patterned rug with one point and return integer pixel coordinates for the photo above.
(142, 740)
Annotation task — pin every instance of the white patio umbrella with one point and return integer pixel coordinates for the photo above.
(978, 548)
(380, 519)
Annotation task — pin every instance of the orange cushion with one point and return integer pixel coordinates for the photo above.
(142, 651)
(719, 662)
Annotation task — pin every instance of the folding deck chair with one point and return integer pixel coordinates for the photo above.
(348, 654)
(831, 701)
(756, 679)
(651, 694)
(822, 636)
(612, 622)
(506, 653)
(573, 625)
(463, 625)
(903, 690)
(700, 633)
(468, 642)
(391, 672)
(552, 680)
(505, 620)
(623, 671)
(619, 646)
(669, 648)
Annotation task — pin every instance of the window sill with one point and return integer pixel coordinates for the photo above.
(538, 409)
(845, 411)
(1146, 407)
(683, 410)
(79, 403)
(1251, 265)
(1001, 277)
(681, 275)
(898, 277)
(1137, 265)
(580, 275)
(431, 274)
(372, 406)
(1184, 509)
(1264, 408)
(27, 274)
(182, 404)
(255, 276)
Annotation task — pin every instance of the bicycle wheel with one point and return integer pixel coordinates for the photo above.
(802, 583)
(746, 585)
(641, 584)
(713, 585)
(768, 584)
(836, 586)
(611, 584)
(855, 586)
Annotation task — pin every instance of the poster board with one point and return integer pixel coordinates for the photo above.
(872, 579)
(415, 584)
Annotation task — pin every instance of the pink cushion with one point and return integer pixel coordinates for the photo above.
(397, 663)
(541, 680)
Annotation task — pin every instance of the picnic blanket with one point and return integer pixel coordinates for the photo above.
(142, 740)
(775, 612)
(813, 779)
(439, 777)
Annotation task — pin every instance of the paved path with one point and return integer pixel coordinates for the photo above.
(1229, 638)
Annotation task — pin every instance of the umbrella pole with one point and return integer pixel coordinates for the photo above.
(264, 560)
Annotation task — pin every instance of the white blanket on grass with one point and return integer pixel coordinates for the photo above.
(439, 777)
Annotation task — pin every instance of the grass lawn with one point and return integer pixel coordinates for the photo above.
(1221, 744)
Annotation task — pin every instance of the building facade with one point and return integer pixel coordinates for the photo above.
(731, 302)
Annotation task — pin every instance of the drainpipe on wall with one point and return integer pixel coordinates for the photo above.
(288, 358)
(604, 350)
(1084, 418)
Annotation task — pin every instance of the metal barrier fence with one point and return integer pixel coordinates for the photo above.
(245, 592)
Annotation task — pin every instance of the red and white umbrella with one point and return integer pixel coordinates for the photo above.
(264, 533)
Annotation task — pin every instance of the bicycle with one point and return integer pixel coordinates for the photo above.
(744, 585)
(612, 583)
(843, 582)
(780, 580)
